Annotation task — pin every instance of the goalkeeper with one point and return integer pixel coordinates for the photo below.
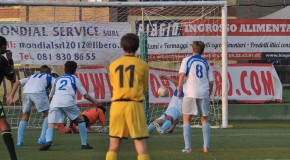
(171, 116)
(91, 116)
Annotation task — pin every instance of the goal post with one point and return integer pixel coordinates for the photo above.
(89, 33)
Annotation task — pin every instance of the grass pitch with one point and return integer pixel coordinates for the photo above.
(248, 140)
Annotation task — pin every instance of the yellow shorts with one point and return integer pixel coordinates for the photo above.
(128, 118)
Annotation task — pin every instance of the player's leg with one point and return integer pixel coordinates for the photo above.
(21, 128)
(42, 105)
(156, 124)
(113, 148)
(27, 104)
(74, 113)
(204, 107)
(55, 116)
(166, 125)
(150, 128)
(6, 134)
(170, 116)
(44, 127)
(187, 133)
(118, 128)
(141, 148)
(135, 113)
(187, 110)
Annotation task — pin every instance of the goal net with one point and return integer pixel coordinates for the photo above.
(54, 32)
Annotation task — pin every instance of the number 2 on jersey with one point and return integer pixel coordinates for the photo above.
(131, 69)
(64, 83)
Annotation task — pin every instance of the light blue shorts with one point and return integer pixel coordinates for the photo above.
(56, 114)
(195, 106)
(40, 100)
(173, 112)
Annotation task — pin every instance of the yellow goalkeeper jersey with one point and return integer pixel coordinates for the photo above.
(129, 79)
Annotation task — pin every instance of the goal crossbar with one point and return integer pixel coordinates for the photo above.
(114, 4)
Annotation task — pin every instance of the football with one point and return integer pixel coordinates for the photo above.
(162, 91)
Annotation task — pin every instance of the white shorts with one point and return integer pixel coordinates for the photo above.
(40, 100)
(195, 106)
(173, 112)
(56, 114)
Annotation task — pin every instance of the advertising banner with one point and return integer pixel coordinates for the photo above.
(247, 83)
(248, 39)
(55, 43)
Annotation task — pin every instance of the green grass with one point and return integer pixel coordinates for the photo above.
(248, 140)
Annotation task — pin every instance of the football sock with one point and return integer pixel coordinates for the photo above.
(143, 157)
(111, 155)
(187, 135)
(166, 125)
(83, 133)
(206, 134)
(150, 128)
(44, 128)
(8, 140)
(21, 131)
(49, 134)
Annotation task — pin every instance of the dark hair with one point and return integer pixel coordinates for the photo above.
(103, 109)
(130, 43)
(54, 75)
(3, 41)
(70, 67)
(45, 69)
(200, 47)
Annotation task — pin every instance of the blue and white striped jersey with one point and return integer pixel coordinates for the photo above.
(176, 102)
(198, 75)
(36, 83)
(63, 92)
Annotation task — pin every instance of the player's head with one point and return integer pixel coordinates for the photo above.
(130, 43)
(45, 69)
(198, 47)
(103, 109)
(54, 75)
(3, 44)
(70, 67)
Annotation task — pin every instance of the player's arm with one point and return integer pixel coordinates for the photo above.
(84, 92)
(180, 83)
(182, 72)
(14, 89)
(52, 91)
(7, 67)
(175, 81)
(211, 80)
(89, 98)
